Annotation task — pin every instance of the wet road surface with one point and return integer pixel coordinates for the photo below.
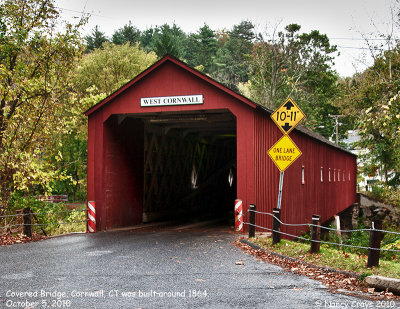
(153, 268)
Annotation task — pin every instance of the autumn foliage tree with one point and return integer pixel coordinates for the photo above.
(35, 60)
(110, 67)
(372, 99)
(290, 63)
(96, 75)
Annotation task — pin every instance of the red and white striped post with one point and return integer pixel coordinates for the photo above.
(238, 216)
(91, 227)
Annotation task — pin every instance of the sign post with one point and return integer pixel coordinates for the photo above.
(284, 152)
(280, 190)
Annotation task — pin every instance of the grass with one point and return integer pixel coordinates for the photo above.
(63, 223)
(330, 257)
(68, 228)
(54, 218)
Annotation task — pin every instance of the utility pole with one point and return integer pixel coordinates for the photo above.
(336, 126)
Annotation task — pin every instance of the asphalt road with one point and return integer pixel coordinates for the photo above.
(153, 269)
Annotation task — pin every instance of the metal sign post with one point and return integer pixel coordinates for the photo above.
(284, 152)
(280, 190)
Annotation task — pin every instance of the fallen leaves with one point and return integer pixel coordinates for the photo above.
(9, 239)
(335, 281)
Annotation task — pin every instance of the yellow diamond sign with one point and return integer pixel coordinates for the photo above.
(287, 116)
(284, 152)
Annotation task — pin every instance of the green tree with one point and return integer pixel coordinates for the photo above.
(231, 65)
(147, 38)
(35, 60)
(107, 69)
(95, 39)
(126, 34)
(372, 99)
(289, 63)
(71, 149)
(169, 41)
(98, 74)
(201, 48)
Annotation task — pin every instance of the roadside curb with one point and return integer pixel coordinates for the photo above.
(383, 283)
(373, 281)
(66, 234)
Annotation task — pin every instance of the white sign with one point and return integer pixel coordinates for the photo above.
(172, 100)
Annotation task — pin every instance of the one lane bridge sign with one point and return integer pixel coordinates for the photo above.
(287, 116)
(284, 152)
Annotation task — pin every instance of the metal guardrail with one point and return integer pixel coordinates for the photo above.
(43, 213)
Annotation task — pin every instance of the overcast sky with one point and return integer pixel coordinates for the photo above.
(341, 20)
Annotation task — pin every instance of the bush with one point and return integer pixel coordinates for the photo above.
(361, 239)
(49, 215)
(386, 194)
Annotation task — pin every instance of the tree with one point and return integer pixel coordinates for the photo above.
(169, 41)
(126, 34)
(372, 98)
(105, 70)
(231, 65)
(147, 38)
(35, 60)
(287, 63)
(95, 40)
(97, 75)
(201, 48)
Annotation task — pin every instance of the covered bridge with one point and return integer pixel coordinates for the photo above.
(174, 142)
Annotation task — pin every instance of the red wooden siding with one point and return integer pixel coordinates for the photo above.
(115, 152)
(300, 201)
(169, 79)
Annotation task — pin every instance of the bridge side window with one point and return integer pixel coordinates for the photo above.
(302, 175)
(322, 174)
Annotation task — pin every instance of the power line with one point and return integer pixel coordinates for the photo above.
(365, 39)
(83, 12)
(344, 47)
(362, 48)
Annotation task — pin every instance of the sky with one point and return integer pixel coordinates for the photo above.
(344, 22)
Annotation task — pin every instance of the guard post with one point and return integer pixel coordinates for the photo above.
(374, 244)
(276, 225)
(27, 222)
(238, 215)
(315, 234)
(252, 221)
(91, 214)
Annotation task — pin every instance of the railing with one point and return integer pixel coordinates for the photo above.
(27, 215)
(53, 198)
(374, 248)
